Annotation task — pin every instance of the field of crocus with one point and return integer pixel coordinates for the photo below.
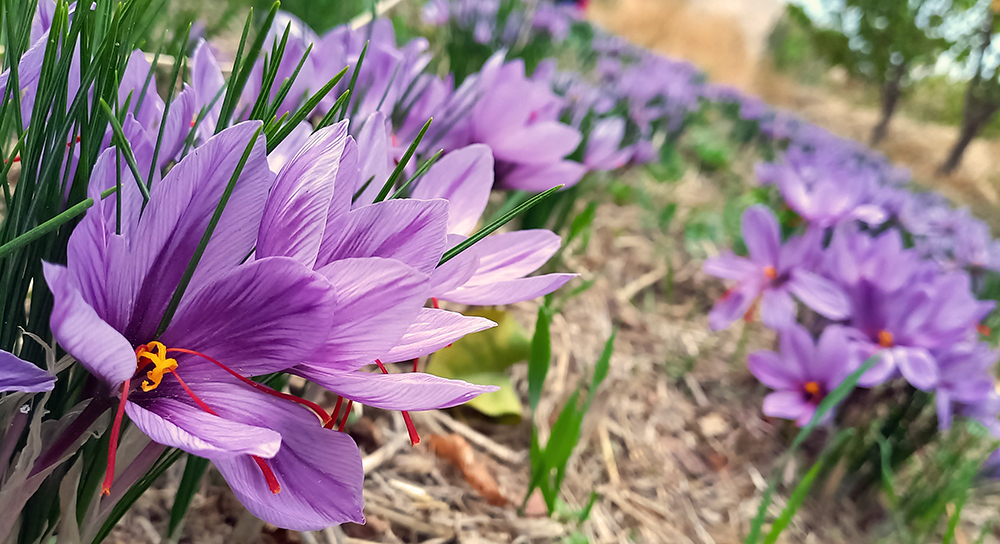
(465, 271)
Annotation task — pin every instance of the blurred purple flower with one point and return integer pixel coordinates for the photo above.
(16, 374)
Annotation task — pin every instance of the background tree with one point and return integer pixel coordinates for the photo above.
(982, 96)
(880, 42)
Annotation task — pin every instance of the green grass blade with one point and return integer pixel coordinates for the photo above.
(354, 81)
(126, 150)
(398, 170)
(194, 469)
(45, 228)
(540, 358)
(496, 224)
(401, 192)
(167, 459)
(175, 300)
(301, 114)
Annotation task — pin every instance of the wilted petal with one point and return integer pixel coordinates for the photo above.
(16, 374)
(432, 330)
(79, 330)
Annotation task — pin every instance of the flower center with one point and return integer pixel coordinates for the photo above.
(770, 272)
(154, 353)
(814, 392)
(885, 339)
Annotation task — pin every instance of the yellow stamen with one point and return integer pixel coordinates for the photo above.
(770, 272)
(156, 353)
(885, 339)
(812, 388)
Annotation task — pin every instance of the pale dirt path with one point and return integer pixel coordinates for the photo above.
(728, 39)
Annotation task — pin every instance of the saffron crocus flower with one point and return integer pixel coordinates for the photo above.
(774, 272)
(604, 151)
(16, 374)
(965, 378)
(378, 259)
(804, 372)
(187, 387)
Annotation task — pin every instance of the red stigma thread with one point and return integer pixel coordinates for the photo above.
(333, 417)
(272, 480)
(347, 413)
(317, 409)
(410, 428)
(116, 428)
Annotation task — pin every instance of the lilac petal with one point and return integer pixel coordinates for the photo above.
(280, 155)
(319, 471)
(537, 178)
(882, 371)
(377, 300)
(79, 330)
(179, 210)
(820, 294)
(16, 374)
(409, 231)
(457, 271)
(464, 178)
(918, 367)
(771, 370)
(762, 235)
(432, 330)
(944, 409)
(777, 309)
(260, 317)
(538, 143)
(207, 80)
(183, 110)
(508, 292)
(374, 160)
(347, 180)
(834, 359)
(176, 423)
(511, 255)
(797, 348)
(412, 391)
(870, 215)
(730, 267)
(296, 210)
(786, 405)
(731, 307)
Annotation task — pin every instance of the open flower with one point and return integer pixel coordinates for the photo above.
(803, 373)
(774, 272)
(16, 374)
(185, 384)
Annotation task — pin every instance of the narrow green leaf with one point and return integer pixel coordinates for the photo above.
(496, 224)
(401, 192)
(175, 72)
(541, 357)
(175, 300)
(398, 170)
(331, 115)
(45, 228)
(601, 369)
(194, 469)
(244, 67)
(126, 150)
(354, 81)
(300, 115)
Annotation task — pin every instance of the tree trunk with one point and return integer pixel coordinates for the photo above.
(979, 111)
(892, 89)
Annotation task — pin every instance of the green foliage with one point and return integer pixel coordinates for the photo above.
(548, 463)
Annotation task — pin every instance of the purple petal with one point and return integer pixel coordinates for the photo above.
(538, 143)
(512, 255)
(260, 317)
(882, 371)
(432, 330)
(508, 292)
(179, 210)
(797, 348)
(731, 307)
(834, 359)
(917, 366)
(292, 144)
(179, 423)
(183, 110)
(207, 80)
(79, 330)
(762, 235)
(786, 405)
(374, 159)
(820, 294)
(731, 267)
(412, 391)
(771, 370)
(377, 300)
(464, 178)
(457, 271)
(542, 177)
(296, 210)
(777, 309)
(16, 374)
(410, 231)
(319, 471)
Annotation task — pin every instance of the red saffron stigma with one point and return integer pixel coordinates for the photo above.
(434, 303)
(109, 476)
(415, 363)
(317, 409)
(272, 480)
(333, 417)
(410, 428)
(343, 422)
